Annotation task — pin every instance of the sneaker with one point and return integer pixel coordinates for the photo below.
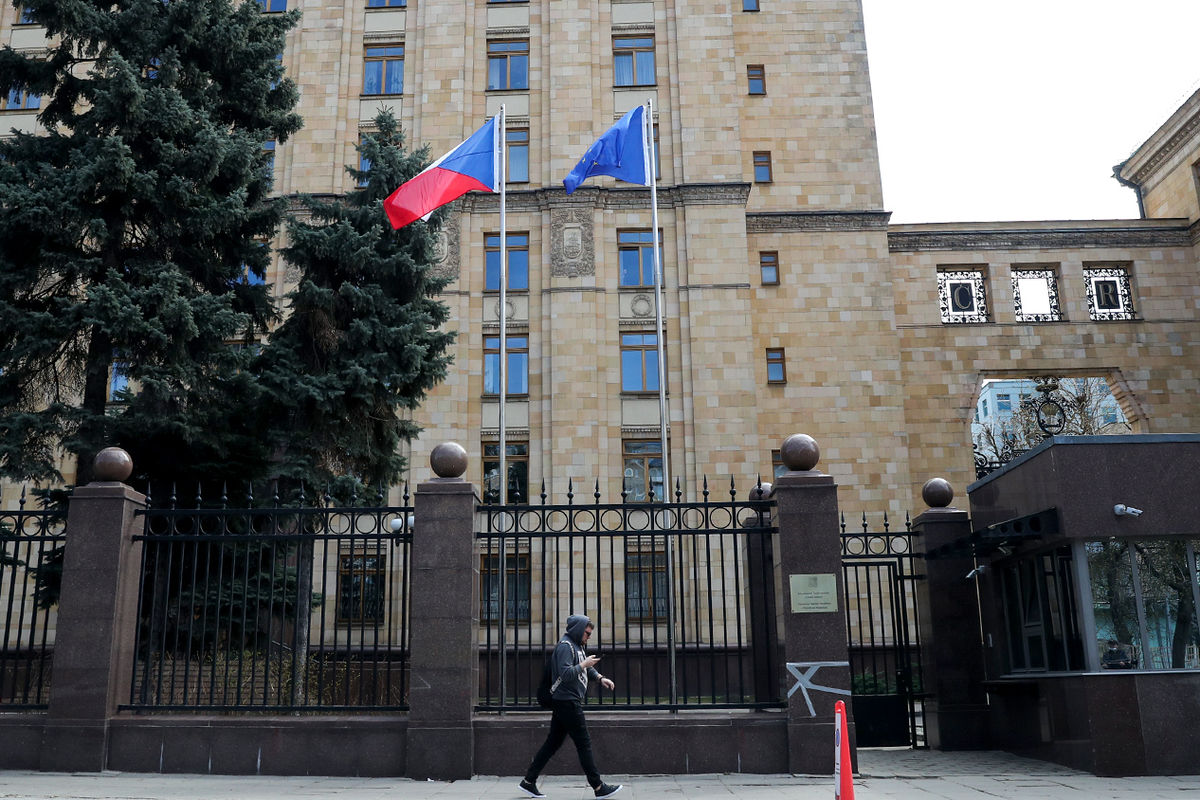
(530, 788)
(607, 790)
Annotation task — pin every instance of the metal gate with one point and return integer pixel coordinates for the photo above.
(879, 570)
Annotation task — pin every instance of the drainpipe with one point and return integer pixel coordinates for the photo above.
(1137, 188)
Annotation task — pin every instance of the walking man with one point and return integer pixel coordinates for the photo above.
(571, 668)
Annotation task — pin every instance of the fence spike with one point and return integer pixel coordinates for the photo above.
(327, 499)
(22, 497)
(678, 491)
(406, 495)
(149, 498)
(249, 494)
(886, 526)
(224, 494)
(624, 491)
(907, 522)
(171, 499)
(570, 491)
(596, 493)
(300, 500)
(864, 521)
(706, 488)
(275, 491)
(379, 495)
(843, 523)
(651, 494)
(543, 491)
(732, 490)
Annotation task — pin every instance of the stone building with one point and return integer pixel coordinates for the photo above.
(790, 303)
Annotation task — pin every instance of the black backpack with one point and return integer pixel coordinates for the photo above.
(545, 689)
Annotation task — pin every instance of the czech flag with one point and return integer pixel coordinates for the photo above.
(474, 164)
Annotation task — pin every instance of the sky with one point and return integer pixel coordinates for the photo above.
(1018, 110)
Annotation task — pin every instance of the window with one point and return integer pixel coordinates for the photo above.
(1108, 293)
(518, 262)
(1003, 403)
(749, 5)
(643, 470)
(1041, 613)
(639, 362)
(635, 258)
(269, 167)
(518, 155)
(516, 588)
(776, 367)
(383, 70)
(645, 580)
(517, 348)
(778, 468)
(1035, 295)
(21, 98)
(756, 76)
(26, 17)
(118, 381)
(508, 65)
(1143, 593)
(273, 6)
(983, 406)
(387, 3)
(516, 462)
(364, 166)
(633, 61)
(251, 278)
(361, 588)
(961, 296)
(762, 166)
(768, 267)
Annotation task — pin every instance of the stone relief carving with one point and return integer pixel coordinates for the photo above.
(571, 250)
(446, 248)
(641, 305)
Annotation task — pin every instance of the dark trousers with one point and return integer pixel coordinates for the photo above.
(566, 720)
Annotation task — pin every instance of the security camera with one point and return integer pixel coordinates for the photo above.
(982, 568)
(1122, 510)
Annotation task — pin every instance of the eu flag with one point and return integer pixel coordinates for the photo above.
(620, 152)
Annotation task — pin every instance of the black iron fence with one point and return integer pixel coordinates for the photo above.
(31, 548)
(879, 568)
(682, 594)
(280, 608)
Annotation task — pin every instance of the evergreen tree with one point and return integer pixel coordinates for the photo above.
(361, 344)
(128, 230)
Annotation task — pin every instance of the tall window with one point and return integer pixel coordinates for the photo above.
(645, 580)
(518, 155)
(516, 462)
(517, 348)
(518, 262)
(269, 168)
(639, 362)
(1109, 294)
(118, 381)
(768, 267)
(756, 76)
(387, 3)
(20, 98)
(635, 257)
(517, 586)
(643, 469)
(776, 365)
(633, 61)
(364, 165)
(762, 166)
(361, 588)
(383, 70)
(273, 5)
(1041, 613)
(508, 64)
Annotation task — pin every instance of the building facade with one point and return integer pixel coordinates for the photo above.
(790, 304)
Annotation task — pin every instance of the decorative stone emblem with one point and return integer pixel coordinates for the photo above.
(446, 248)
(641, 305)
(509, 309)
(571, 250)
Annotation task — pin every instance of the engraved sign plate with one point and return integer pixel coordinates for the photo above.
(813, 593)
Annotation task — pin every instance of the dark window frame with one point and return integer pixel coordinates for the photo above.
(776, 358)
(768, 263)
(634, 47)
(374, 54)
(510, 58)
(756, 79)
(491, 353)
(762, 161)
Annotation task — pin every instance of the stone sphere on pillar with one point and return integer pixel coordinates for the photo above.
(112, 464)
(449, 460)
(800, 452)
(937, 493)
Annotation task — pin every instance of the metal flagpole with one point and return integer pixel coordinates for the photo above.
(502, 567)
(649, 154)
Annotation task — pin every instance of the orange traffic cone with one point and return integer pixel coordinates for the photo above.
(843, 771)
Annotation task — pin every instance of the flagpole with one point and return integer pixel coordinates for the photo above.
(659, 336)
(502, 571)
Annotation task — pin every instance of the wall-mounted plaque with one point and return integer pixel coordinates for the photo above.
(813, 593)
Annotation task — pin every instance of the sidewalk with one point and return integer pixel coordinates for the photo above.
(910, 774)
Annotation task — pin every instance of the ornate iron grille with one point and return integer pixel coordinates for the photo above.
(681, 593)
(32, 542)
(879, 568)
(282, 608)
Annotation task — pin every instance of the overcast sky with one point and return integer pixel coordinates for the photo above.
(1018, 110)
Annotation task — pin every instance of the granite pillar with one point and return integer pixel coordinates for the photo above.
(952, 658)
(444, 624)
(813, 615)
(97, 619)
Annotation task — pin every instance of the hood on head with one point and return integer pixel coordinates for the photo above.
(576, 623)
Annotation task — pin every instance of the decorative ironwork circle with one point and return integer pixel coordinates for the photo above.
(1050, 417)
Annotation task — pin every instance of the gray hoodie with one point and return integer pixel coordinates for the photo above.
(568, 662)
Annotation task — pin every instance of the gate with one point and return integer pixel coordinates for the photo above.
(879, 569)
